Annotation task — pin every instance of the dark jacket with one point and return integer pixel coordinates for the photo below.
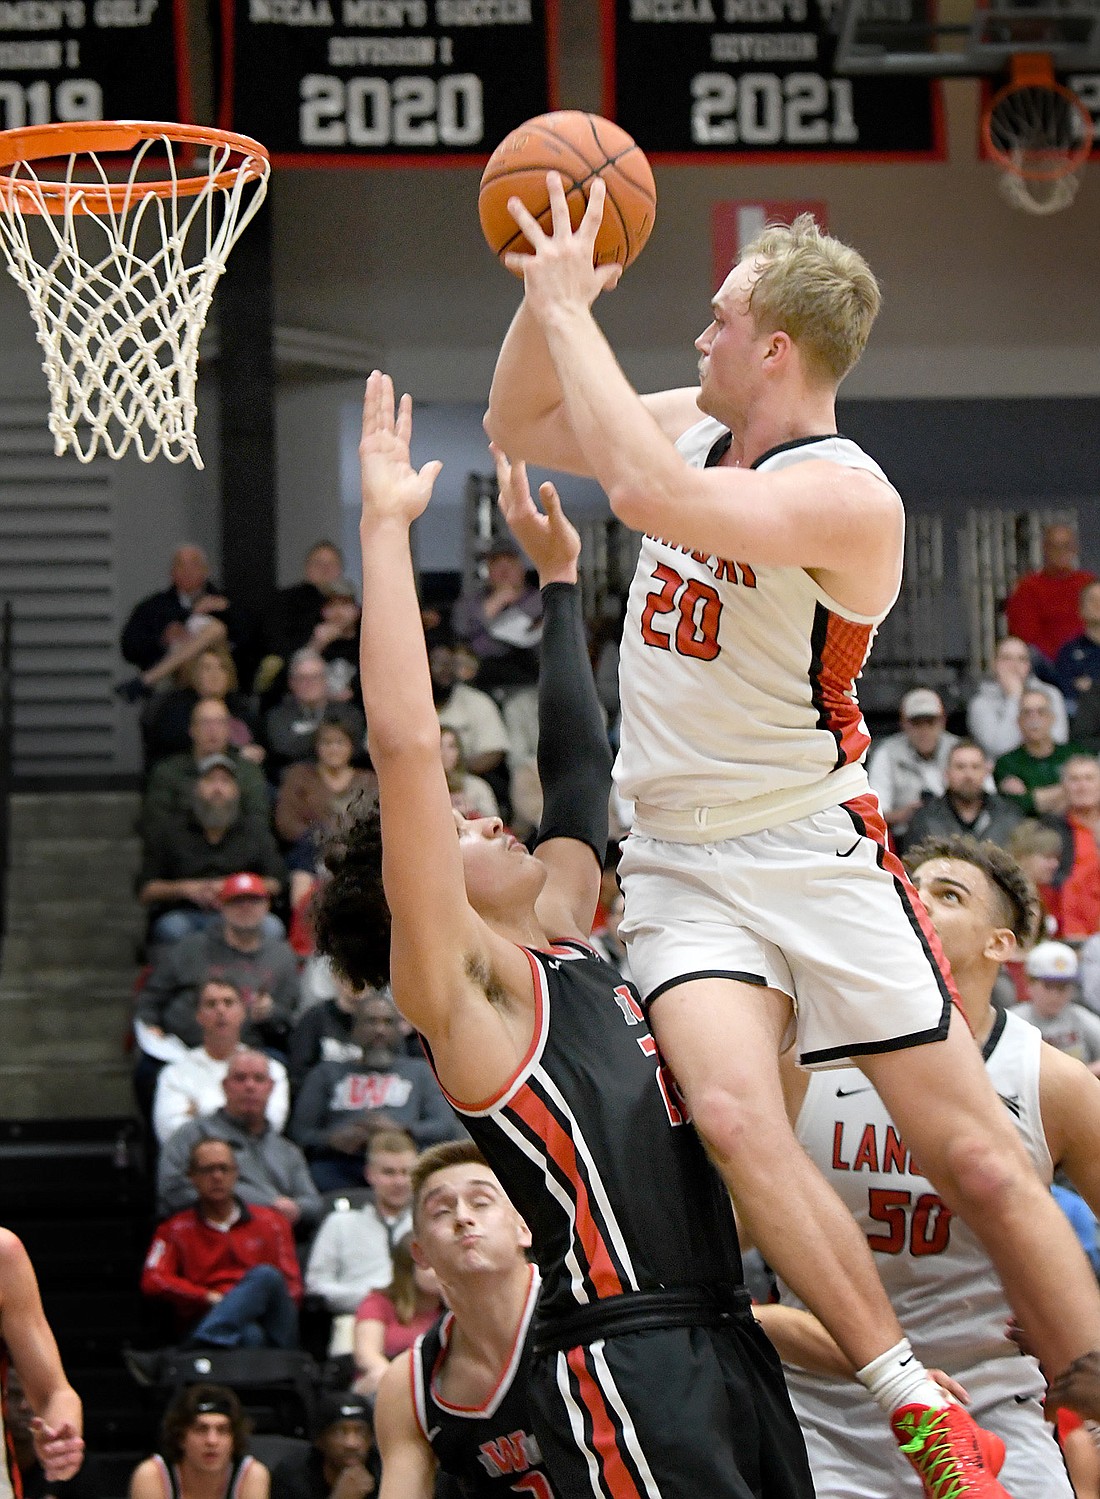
(938, 819)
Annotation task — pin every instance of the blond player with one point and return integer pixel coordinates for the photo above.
(757, 872)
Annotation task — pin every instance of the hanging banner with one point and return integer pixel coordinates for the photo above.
(753, 80)
(92, 60)
(384, 82)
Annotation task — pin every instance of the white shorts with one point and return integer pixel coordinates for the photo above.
(819, 909)
(853, 1453)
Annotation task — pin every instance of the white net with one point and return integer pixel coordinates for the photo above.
(1040, 133)
(120, 279)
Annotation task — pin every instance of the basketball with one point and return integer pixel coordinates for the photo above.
(581, 147)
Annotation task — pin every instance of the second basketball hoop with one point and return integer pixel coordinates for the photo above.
(119, 264)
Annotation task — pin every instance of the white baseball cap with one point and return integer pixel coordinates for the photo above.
(1052, 961)
(922, 702)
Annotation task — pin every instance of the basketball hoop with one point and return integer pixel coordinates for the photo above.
(1040, 134)
(120, 274)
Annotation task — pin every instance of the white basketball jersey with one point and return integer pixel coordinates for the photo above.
(738, 681)
(937, 1275)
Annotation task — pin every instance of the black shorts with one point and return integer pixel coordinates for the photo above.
(672, 1413)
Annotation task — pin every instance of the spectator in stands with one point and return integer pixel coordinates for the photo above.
(272, 1171)
(170, 628)
(297, 610)
(325, 1031)
(315, 792)
(1030, 775)
(240, 947)
(192, 1085)
(965, 806)
(1043, 607)
(1080, 893)
(1052, 974)
(1038, 848)
(229, 1270)
(470, 795)
(166, 724)
(472, 714)
(907, 769)
(342, 1103)
(290, 729)
(501, 620)
(340, 1462)
(172, 782)
(1077, 665)
(993, 713)
(352, 1253)
(336, 637)
(203, 1451)
(388, 1322)
(189, 855)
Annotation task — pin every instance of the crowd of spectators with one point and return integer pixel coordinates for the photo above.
(285, 1109)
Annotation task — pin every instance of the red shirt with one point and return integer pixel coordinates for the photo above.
(1042, 609)
(189, 1257)
(1081, 889)
(397, 1336)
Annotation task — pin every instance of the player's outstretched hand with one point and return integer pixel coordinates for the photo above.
(1077, 1388)
(561, 270)
(549, 539)
(392, 488)
(950, 1386)
(60, 1450)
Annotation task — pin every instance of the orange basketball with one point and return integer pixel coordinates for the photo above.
(581, 147)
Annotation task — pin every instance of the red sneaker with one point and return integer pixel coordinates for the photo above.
(954, 1458)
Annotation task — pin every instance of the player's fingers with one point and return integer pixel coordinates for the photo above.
(428, 475)
(404, 422)
(527, 222)
(386, 404)
(551, 501)
(593, 213)
(559, 207)
(609, 276)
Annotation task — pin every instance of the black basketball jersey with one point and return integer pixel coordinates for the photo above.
(591, 1141)
(489, 1449)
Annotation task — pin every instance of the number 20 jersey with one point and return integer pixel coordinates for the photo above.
(737, 681)
(939, 1278)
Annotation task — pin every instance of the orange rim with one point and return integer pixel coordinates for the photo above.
(75, 137)
(1046, 163)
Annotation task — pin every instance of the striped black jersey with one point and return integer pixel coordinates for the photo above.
(591, 1141)
(487, 1449)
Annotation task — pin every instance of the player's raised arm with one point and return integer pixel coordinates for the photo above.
(435, 935)
(574, 757)
(58, 1422)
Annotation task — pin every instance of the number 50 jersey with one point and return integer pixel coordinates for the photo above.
(939, 1278)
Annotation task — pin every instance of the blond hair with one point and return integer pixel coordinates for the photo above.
(816, 289)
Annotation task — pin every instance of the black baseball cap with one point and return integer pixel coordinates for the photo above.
(341, 1406)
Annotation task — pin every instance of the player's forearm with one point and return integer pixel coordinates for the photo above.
(62, 1408)
(393, 659)
(525, 390)
(801, 1340)
(623, 445)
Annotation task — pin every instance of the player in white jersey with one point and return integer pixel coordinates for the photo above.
(757, 874)
(936, 1272)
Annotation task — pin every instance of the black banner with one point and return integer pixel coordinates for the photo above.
(384, 81)
(753, 80)
(92, 60)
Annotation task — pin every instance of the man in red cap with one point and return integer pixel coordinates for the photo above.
(247, 947)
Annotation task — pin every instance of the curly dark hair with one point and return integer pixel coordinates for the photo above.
(1021, 908)
(351, 920)
(199, 1400)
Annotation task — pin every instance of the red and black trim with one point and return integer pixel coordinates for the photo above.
(550, 1139)
(603, 1433)
(838, 650)
(867, 821)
